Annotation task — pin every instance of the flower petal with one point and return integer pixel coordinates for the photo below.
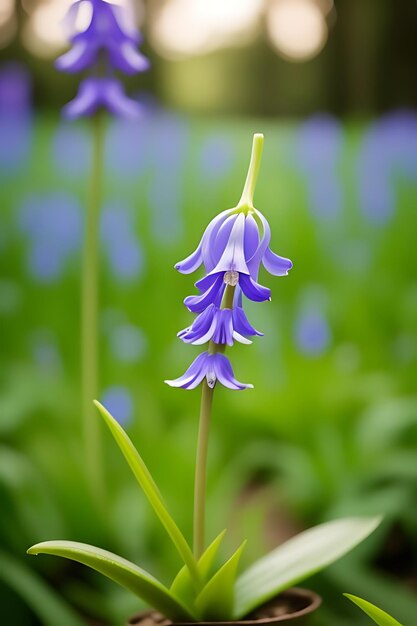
(219, 242)
(241, 323)
(197, 304)
(78, 58)
(118, 103)
(86, 102)
(224, 373)
(255, 261)
(276, 265)
(202, 329)
(209, 237)
(194, 374)
(233, 257)
(126, 58)
(253, 290)
(223, 333)
(192, 262)
(251, 241)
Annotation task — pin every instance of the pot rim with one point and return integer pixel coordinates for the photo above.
(312, 596)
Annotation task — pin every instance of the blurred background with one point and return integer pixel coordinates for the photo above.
(331, 427)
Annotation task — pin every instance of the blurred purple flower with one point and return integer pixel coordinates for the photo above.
(216, 157)
(108, 42)
(54, 216)
(15, 116)
(319, 142)
(312, 332)
(128, 144)
(53, 224)
(123, 249)
(212, 367)
(45, 350)
(168, 145)
(126, 260)
(318, 150)
(165, 202)
(389, 148)
(94, 93)
(169, 142)
(118, 401)
(45, 261)
(128, 343)
(110, 32)
(71, 151)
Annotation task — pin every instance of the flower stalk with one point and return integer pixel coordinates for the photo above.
(89, 313)
(201, 469)
(246, 201)
(207, 394)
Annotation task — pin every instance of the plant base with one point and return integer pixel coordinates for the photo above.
(292, 604)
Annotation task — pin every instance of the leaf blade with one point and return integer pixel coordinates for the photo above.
(182, 585)
(215, 602)
(379, 616)
(121, 571)
(151, 491)
(286, 565)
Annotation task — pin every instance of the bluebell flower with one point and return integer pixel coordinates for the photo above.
(232, 249)
(95, 93)
(233, 239)
(109, 33)
(213, 367)
(109, 42)
(222, 326)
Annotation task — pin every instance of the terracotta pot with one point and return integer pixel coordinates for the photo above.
(293, 604)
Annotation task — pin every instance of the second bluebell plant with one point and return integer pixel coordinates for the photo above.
(107, 42)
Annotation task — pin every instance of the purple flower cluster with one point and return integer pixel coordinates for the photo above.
(232, 249)
(108, 42)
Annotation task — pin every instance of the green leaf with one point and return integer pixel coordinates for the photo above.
(44, 602)
(120, 571)
(151, 491)
(182, 585)
(216, 600)
(378, 615)
(300, 557)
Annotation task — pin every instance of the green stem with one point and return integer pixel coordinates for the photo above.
(89, 314)
(202, 444)
(255, 161)
(201, 469)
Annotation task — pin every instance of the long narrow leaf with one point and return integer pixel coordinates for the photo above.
(44, 601)
(216, 601)
(298, 558)
(379, 616)
(151, 491)
(182, 585)
(120, 571)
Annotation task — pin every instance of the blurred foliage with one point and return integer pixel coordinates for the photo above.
(331, 427)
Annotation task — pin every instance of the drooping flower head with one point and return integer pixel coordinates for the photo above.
(233, 247)
(107, 41)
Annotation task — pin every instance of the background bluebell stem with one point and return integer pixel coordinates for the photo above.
(89, 313)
